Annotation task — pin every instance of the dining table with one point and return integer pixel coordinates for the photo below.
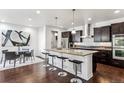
(21, 53)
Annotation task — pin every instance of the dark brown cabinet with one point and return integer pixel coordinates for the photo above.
(97, 35)
(117, 28)
(81, 34)
(103, 57)
(66, 34)
(73, 38)
(106, 34)
(118, 63)
(121, 28)
(102, 34)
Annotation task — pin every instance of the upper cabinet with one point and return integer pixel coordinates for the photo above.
(66, 34)
(97, 35)
(106, 34)
(117, 28)
(78, 36)
(102, 34)
(73, 38)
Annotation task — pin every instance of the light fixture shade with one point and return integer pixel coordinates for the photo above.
(73, 31)
(56, 34)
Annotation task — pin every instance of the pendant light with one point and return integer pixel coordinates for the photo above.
(56, 18)
(73, 30)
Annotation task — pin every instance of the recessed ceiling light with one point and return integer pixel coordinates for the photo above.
(116, 11)
(72, 23)
(2, 20)
(89, 19)
(38, 11)
(29, 19)
(30, 25)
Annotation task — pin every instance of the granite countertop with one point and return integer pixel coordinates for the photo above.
(73, 51)
(94, 48)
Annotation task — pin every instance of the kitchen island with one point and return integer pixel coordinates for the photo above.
(84, 70)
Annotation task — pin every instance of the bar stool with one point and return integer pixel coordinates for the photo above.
(46, 59)
(76, 79)
(62, 73)
(52, 68)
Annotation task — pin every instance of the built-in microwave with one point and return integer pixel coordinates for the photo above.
(118, 40)
(118, 46)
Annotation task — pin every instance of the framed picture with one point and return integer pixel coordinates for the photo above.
(15, 38)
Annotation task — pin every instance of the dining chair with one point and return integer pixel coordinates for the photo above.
(29, 54)
(10, 56)
(32, 54)
(3, 53)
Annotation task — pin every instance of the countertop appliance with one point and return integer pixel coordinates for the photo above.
(118, 46)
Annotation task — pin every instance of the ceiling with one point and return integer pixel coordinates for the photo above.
(47, 16)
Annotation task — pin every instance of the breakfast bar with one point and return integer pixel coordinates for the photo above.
(84, 69)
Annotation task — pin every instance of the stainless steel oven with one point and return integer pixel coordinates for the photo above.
(118, 46)
(118, 54)
(118, 40)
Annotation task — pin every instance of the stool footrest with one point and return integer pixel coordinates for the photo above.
(52, 55)
(76, 61)
(62, 57)
(44, 53)
(76, 80)
(52, 68)
(62, 74)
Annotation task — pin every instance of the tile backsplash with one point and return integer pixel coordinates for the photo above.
(90, 42)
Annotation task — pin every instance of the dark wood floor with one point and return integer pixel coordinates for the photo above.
(108, 74)
(37, 74)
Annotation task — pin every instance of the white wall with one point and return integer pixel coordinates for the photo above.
(109, 22)
(90, 41)
(32, 31)
(49, 35)
(45, 37)
(76, 28)
(41, 39)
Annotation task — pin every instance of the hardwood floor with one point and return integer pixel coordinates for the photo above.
(35, 73)
(108, 74)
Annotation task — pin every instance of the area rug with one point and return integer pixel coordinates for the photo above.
(28, 62)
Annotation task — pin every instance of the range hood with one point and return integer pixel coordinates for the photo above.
(87, 31)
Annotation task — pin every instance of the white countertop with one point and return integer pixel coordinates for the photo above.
(73, 51)
(94, 48)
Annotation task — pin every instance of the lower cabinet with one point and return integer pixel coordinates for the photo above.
(118, 63)
(105, 57)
